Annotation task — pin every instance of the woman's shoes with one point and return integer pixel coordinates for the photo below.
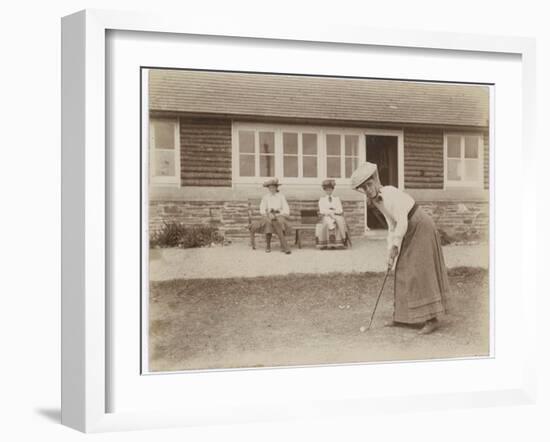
(430, 326)
(267, 249)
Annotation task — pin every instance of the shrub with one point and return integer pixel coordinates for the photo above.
(459, 237)
(445, 237)
(179, 235)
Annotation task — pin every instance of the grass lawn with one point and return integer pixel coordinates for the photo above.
(302, 319)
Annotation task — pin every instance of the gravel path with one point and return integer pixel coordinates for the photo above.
(239, 260)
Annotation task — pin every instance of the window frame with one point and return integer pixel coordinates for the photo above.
(279, 129)
(479, 183)
(165, 180)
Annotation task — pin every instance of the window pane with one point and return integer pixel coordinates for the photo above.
(333, 167)
(165, 164)
(267, 142)
(352, 145)
(290, 165)
(471, 170)
(246, 141)
(333, 145)
(471, 147)
(246, 165)
(453, 170)
(351, 165)
(453, 147)
(309, 144)
(310, 167)
(267, 165)
(290, 143)
(164, 134)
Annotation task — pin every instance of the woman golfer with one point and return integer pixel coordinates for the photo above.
(421, 284)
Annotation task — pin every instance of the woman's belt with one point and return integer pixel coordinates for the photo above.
(411, 212)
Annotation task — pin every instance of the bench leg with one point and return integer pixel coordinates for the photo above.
(299, 233)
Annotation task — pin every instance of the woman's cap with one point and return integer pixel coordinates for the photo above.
(362, 174)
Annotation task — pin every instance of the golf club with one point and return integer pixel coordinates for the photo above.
(379, 295)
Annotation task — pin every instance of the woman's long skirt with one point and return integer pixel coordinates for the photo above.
(323, 230)
(265, 225)
(421, 282)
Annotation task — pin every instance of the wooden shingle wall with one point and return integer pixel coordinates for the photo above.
(205, 152)
(423, 158)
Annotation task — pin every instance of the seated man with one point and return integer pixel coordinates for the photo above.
(331, 232)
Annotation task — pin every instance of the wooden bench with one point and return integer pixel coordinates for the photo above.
(309, 218)
(309, 221)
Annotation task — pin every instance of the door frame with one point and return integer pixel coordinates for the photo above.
(400, 160)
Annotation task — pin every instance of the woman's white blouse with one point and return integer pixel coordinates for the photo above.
(274, 202)
(395, 206)
(327, 207)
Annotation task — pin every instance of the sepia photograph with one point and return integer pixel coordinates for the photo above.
(300, 220)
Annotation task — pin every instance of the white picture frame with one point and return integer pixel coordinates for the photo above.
(86, 216)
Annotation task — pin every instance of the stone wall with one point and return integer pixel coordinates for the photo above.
(461, 220)
(456, 219)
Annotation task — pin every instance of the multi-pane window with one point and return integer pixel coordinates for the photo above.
(260, 151)
(464, 160)
(309, 155)
(267, 154)
(247, 153)
(290, 154)
(299, 155)
(164, 151)
(351, 143)
(256, 153)
(334, 156)
(295, 152)
(342, 155)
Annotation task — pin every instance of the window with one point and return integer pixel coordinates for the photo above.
(334, 156)
(267, 154)
(305, 154)
(351, 154)
(164, 151)
(277, 152)
(247, 157)
(309, 155)
(464, 160)
(290, 152)
(300, 155)
(342, 155)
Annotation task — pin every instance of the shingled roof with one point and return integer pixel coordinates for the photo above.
(319, 98)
